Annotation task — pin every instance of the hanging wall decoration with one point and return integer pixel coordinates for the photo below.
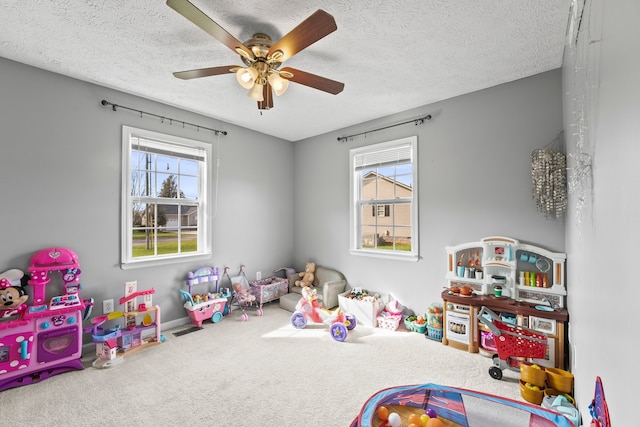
(549, 180)
(582, 60)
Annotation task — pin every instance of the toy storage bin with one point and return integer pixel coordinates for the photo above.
(388, 321)
(535, 376)
(509, 318)
(434, 333)
(408, 324)
(365, 311)
(421, 329)
(531, 396)
(553, 392)
(560, 379)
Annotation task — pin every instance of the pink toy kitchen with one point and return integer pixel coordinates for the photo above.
(41, 336)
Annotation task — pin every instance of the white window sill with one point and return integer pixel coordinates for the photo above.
(386, 255)
(163, 261)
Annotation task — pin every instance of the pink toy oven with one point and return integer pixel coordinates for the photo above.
(46, 338)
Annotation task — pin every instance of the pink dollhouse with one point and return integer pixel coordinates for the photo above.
(44, 338)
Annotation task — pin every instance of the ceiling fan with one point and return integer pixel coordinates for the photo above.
(262, 57)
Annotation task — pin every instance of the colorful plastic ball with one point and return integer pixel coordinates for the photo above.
(395, 420)
(383, 413)
(434, 422)
(423, 419)
(431, 413)
(414, 419)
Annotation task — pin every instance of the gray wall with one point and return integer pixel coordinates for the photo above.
(602, 107)
(475, 182)
(60, 181)
(60, 168)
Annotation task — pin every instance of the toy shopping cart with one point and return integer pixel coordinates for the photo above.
(513, 343)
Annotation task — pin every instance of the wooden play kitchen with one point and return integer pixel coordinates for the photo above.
(523, 283)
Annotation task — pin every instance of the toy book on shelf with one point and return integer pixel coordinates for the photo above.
(40, 338)
(138, 327)
(205, 305)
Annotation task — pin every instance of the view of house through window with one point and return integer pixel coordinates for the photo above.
(384, 198)
(164, 196)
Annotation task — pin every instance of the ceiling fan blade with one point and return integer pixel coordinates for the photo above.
(321, 83)
(205, 72)
(309, 31)
(267, 94)
(198, 17)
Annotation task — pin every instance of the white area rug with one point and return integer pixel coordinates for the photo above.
(262, 372)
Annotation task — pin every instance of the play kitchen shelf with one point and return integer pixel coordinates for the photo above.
(521, 271)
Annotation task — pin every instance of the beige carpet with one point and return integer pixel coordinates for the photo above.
(262, 372)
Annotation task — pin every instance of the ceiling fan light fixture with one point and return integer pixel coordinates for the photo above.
(278, 84)
(243, 53)
(255, 92)
(246, 77)
(276, 56)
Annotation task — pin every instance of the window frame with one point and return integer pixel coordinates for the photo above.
(181, 146)
(356, 203)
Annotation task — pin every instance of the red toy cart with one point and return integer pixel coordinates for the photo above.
(512, 342)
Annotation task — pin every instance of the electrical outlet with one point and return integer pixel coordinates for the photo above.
(107, 306)
(258, 275)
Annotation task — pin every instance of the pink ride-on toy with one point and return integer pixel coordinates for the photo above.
(308, 308)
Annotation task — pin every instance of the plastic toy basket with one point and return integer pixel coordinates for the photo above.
(408, 324)
(434, 333)
(389, 321)
(419, 328)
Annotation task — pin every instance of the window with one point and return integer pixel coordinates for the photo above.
(382, 210)
(384, 199)
(164, 198)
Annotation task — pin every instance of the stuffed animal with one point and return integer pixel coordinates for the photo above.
(306, 276)
(13, 296)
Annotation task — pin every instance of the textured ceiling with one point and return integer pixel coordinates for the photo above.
(392, 55)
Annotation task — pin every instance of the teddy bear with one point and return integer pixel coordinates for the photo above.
(306, 276)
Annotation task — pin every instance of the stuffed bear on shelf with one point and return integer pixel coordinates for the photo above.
(306, 276)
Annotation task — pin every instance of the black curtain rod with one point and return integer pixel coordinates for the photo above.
(162, 118)
(414, 121)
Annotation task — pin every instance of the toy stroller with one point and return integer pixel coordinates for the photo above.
(242, 296)
(512, 342)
